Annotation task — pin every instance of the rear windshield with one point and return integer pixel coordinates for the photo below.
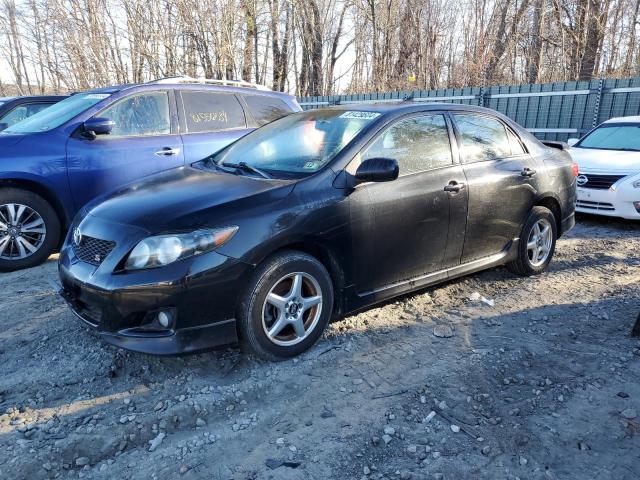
(57, 114)
(613, 136)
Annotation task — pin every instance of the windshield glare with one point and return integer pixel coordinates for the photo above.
(57, 114)
(299, 144)
(613, 137)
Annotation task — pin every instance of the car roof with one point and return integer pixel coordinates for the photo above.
(33, 97)
(399, 106)
(630, 119)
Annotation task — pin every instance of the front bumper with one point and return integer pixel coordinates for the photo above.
(620, 202)
(202, 292)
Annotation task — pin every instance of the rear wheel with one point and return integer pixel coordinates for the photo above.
(29, 229)
(537, 243)
(286, 307)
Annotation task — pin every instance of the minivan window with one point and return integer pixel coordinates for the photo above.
(212, 111)
(57, 114)
(481, 137)
(266, 109)
(417, 144)
(22, 112)
(143, 114)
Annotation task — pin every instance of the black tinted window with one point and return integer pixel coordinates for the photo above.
(482, 137)
(211, 112)
(418, 144)
(266, 109)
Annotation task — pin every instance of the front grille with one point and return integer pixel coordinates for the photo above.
(598, 182)
(93, 250)
(595, 205)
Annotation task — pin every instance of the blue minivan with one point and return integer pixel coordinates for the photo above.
(53, 163)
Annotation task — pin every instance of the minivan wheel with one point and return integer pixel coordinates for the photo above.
(29, 229)
(537, 243)
(286, 307)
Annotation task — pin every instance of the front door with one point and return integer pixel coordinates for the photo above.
(501, 180)
(400, 228)
(143, 141)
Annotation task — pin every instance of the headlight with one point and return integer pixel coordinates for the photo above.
(161, 250)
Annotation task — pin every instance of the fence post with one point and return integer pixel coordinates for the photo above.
(596, 107)
(481, 98)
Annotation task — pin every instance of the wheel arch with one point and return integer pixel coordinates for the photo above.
(39, 189)
(550, 202)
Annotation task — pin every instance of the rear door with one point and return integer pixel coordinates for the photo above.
(210, 120)
(400, 228)
(143, 141)
(501, 180)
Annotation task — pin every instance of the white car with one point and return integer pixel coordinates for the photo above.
(608, 159)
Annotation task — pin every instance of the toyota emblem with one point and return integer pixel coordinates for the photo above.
(77, 236)
(582, 180)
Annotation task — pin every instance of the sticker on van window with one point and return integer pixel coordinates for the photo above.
(360, 115)
(97, 96)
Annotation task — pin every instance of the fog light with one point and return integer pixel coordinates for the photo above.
(164, 319)
(637, 205)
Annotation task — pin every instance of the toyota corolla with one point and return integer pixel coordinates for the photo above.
(312, 217)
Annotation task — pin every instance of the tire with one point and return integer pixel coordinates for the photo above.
(35, 212)
(531, 261)
(296, 313)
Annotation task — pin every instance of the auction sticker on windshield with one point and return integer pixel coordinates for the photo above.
(360, 115)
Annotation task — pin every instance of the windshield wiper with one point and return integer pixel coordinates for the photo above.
(247, 168)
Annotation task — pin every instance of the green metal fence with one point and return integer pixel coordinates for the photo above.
(551, 111)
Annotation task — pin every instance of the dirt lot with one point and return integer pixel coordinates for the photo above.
(544, 384)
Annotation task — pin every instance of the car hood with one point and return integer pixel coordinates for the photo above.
(184, 198)
(10, 139)
(606, 161)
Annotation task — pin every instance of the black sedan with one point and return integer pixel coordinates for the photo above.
(312, 217)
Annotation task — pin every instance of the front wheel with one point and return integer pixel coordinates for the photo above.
(29, 229)
(537, 243)
(286, 307)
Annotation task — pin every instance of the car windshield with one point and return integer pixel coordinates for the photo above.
(613, 136)
(57, 114)
(297, 145)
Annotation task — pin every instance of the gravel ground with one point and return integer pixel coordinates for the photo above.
(543, 384)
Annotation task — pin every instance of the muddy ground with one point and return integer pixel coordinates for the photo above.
(544, 384)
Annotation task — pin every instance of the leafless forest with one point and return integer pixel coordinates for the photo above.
(313, 47)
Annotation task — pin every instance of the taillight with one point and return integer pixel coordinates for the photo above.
(574, 168)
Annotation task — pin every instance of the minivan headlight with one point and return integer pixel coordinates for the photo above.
(161, 250)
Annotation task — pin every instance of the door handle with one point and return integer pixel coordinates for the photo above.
(168, 151)
(527, 172)
(453, 187)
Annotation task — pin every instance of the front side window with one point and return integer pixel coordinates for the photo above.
(143, 114)
(22, 112)
(613, 136)
(417, 144)
(481, 137)
(299, 144)
(212, 111)
(266, 109)
(57, 114)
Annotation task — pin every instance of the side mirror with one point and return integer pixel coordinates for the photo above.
(377, 170)
(3, 126)
(572, 141)
(98, 126)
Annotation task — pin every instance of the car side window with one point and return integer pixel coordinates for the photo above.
(481, 137)
(418, 144)
(21, 112)
(212, 111)
(516, 145)
(266, 109)
(143, 114)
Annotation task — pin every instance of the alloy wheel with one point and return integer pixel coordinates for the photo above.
(292, 309)
(22, 231)
(539, 242)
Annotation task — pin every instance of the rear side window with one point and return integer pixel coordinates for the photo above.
(266, 109)
(516, 145)
(23, 111)
(482, 137)
(417, 143)
(143, 114)
(212, 111)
